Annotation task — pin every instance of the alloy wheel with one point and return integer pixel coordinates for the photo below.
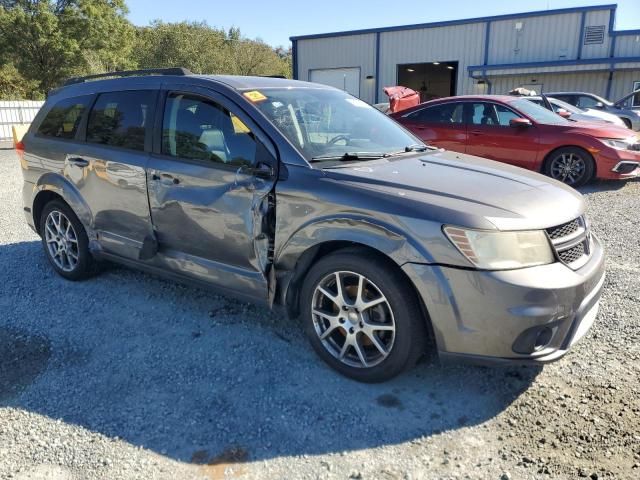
(568, 168)
(353, 319)
(62, 241)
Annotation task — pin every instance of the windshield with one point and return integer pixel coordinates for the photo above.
(330, 123)
(537, 113)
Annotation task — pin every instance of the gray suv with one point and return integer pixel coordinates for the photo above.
(302, 197)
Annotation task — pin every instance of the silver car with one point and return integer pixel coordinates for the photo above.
(301, 197)
(629, 116)
(577, 114)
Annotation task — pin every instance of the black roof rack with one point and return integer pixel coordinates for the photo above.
(130, 73)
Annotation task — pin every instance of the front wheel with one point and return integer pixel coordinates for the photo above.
(570, 165)
(362, 317)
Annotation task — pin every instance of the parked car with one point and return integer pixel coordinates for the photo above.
(299, 195)
(578, 114)
(514, 130)
(590, 101)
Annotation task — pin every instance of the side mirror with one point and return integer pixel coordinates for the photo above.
(563, 113)
(520, 122)
(599, 105)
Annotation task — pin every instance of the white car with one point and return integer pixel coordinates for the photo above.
(579, 114)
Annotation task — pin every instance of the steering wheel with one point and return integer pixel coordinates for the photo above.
(337, 138)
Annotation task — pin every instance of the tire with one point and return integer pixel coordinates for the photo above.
(74, 261)
(351, 320)
(627, 122)
(570, 165)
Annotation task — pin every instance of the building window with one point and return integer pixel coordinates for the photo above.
(594, 35)
(635, 100)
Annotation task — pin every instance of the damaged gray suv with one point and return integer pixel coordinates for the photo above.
(301, 196)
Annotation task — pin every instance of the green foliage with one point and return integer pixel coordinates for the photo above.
(42, 42)
(203, 49)
(14, 86)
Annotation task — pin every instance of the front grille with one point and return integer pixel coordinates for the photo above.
(571, 242)
(563, 230)
(572, 254)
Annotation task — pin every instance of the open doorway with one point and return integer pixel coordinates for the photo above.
(432, 79)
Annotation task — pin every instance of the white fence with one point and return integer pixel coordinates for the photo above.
(16, 112)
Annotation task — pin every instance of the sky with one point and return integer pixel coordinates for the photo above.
(274, 21)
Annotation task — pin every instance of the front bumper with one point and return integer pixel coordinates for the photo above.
(618, 164)
(497, 317)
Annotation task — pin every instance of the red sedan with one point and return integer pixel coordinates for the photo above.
(517, 131)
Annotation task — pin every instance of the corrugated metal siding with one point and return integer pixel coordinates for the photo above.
(623, 83)
(340, 52)
(595, 82)
(461, 43)
(16, 112)
(628, 46)
(542, 38)
(594, 19)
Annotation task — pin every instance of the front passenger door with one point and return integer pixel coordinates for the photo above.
(209, 191)
(491, 136)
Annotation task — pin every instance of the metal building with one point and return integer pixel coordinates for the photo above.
(566, 49)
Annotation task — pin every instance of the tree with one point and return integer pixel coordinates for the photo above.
(13, 86)
(50, 40)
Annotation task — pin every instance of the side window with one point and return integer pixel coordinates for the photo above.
(570, 99)
(505, 115)
(63, 119)
(586, 102)
(198, 129)
(444, 113)
(492, 114)
(119, 119)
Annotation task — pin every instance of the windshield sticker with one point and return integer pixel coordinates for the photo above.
(356, 102)
(255, 96)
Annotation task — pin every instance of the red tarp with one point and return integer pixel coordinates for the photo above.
(401, 98)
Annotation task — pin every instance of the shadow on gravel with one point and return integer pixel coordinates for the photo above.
(606, 185)
(207, 380)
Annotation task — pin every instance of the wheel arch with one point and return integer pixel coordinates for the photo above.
(55, 187)
(290, 285)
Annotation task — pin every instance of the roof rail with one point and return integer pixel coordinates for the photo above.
(179, 71)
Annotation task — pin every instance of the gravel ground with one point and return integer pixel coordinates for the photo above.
(128, 376)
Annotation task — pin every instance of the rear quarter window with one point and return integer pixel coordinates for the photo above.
(63, 119)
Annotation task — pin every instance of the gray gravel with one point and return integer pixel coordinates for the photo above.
(128, 376)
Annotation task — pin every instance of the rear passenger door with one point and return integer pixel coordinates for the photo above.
(210, 180)
(110, 168)
(439, 125)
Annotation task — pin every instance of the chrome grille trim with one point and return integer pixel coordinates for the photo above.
(571, 242)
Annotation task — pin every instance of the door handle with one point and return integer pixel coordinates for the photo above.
(165, 178)
(475, 132)
(78, 162)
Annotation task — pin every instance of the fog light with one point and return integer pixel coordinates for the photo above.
(543, 338)
(625, 168)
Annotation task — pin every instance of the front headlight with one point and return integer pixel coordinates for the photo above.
(617, 143)
(490, 250)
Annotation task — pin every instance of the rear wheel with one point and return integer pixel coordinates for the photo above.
(571, 165)
(65, 242)
(361, 316)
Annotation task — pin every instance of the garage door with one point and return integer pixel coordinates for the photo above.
(347, 79)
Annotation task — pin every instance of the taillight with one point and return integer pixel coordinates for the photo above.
(20, 151)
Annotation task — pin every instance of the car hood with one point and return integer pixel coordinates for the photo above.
(469, 191)
(594, 129)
